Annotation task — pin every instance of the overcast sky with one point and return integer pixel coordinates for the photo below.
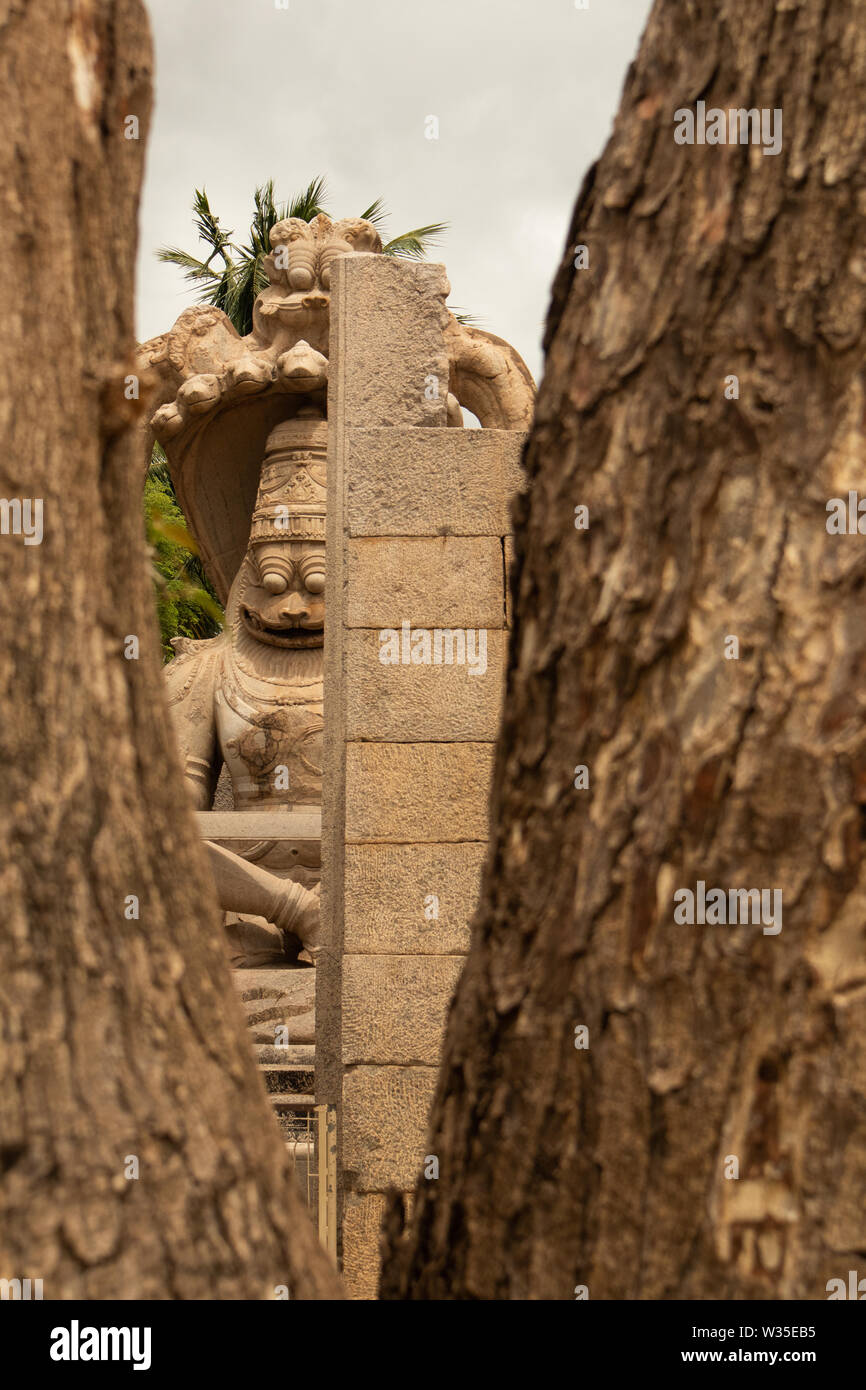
(524, 91)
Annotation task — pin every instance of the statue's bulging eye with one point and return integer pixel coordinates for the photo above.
(272, 568)
(325, 278)
(315, 582)
(300, 278)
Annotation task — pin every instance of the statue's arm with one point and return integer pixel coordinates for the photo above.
(190, 680)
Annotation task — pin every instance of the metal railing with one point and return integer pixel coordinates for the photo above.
(311, 1140)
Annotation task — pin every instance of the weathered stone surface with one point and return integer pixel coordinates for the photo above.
(413, 482)
(367, 322)
(329, 960)
(388, 890)
(278, 823)
(385, 1125)
(223, 797)
(295, 990)
(278, 998)
(362, 1221)
(439, 581)
(394, 1007)
(428, 551)
(397, 372)
(417, 792)
(509, 568)
(297, 1055)
(420, 703)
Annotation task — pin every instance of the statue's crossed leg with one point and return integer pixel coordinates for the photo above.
(246, 888)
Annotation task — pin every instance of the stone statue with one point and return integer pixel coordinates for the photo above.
(252, 697)
(242, 422)
(203, 364)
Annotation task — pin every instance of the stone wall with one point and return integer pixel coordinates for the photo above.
(417, 520)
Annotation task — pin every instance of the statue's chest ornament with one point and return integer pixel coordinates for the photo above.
(258, 742)
(279, 738)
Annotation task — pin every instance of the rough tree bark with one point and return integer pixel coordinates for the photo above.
(606, 1167)
(120, 1037)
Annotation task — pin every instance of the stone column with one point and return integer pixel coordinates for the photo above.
(417, 524)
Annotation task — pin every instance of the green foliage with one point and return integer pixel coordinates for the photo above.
(186, 603)
(234, 284)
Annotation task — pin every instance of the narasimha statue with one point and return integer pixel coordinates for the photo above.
(243, 424)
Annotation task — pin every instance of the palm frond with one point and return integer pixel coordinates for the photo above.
(213, 235)
(208, 225)
(244, 281)
(415, 244)
(192, 267)
(309, 202)
(376, 213)
(265, 215)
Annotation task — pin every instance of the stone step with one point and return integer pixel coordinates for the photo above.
(278, 1069)
(300, 1030)
(291, 1101)
(272, 982)
(273, 1012)
(271, 1058)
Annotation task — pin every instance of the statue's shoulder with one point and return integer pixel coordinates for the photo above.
(189, 646)
(194, 667)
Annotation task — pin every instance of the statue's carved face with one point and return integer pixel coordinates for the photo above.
(282, 601)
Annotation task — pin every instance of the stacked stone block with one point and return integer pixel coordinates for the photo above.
(418, 516)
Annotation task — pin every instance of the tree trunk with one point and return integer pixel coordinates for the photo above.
(611, 1166)
(122, 1037)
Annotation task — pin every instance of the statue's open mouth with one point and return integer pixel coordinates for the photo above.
(291, 636)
